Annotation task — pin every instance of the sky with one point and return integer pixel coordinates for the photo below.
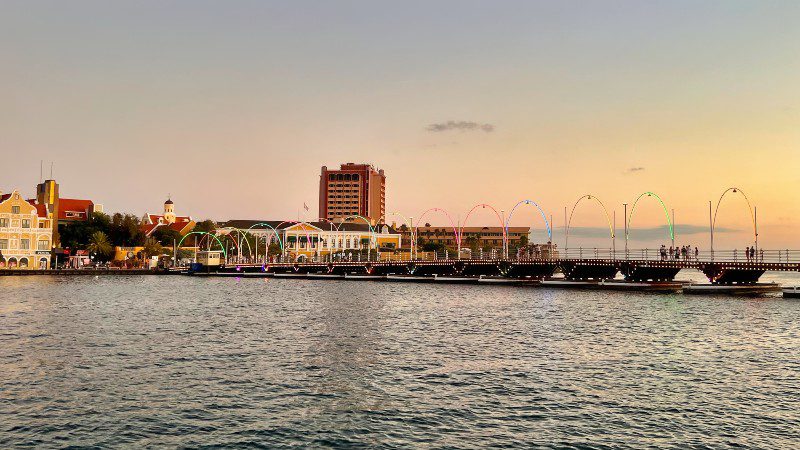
(231, 108)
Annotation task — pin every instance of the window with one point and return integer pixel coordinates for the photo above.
(3, 222)
(3, 244)
(25, 244)
(26, 223)
(43, 245)
(15, 210)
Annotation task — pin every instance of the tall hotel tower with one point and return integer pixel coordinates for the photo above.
(354, 189)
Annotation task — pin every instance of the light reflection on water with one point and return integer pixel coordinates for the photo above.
(177, 361)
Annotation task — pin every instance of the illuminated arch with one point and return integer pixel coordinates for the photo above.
(242, 235)
(482, 205)
(204, 234)
(425, 213)
(274, 232)
(544, 217)
(605, 211)
(749, 207)
(663, 206)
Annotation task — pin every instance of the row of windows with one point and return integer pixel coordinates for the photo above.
(332, 244)
(24, 244)
(23, 223)
(343, 177)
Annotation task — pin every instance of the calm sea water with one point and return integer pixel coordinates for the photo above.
(186, 362)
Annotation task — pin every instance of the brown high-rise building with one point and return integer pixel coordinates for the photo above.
(354, 189)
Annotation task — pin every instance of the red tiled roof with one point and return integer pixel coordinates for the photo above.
(41, 210)
(148, 228)
(73, 205)
(4, 197)
(179, 225)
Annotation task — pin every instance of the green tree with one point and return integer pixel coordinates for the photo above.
(274, 249)
(78, 234)
(472, 243)
(126, 230)
(206, 226)
(151, 247)
(100, 246)
(166, 236)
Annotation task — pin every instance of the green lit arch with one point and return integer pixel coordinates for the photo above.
(275, 232)
(203, 233)
(241, 234)
(663, 206)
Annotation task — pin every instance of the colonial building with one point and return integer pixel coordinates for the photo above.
(181, 224)
(26, 233)
(307, 240)
(64, 210)
(354, 189)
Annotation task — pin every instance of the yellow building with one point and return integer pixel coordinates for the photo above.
(26, 233)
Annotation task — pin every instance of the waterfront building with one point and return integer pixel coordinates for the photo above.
(26, 233)
(477, 237)
(64, 210)
(168, 219)
(307, 240)
(353, 189)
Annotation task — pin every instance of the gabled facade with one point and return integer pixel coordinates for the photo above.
(181, 224)
(26, 233)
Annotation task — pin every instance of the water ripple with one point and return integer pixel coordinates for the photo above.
(220, 363)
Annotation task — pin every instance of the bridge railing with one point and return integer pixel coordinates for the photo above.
(657, 254)
(582, 253)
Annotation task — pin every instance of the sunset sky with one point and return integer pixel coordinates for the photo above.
(232, 107)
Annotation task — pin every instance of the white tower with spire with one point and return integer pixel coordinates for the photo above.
(169, 211)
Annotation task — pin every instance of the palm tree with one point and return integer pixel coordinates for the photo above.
(152, 247)
(99, 245)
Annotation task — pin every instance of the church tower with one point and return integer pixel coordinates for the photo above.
(169, 211)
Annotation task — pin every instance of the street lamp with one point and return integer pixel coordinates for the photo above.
(505, 235)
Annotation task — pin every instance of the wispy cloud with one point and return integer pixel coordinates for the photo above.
(460, 125)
